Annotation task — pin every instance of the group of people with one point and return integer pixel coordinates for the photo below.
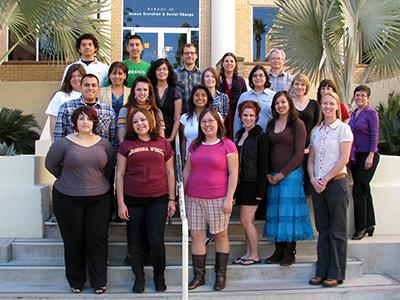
(267, 149)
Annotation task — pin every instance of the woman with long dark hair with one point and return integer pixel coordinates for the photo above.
(146, 193)
(141, 96)
(168, 97)
(288, 218)
(233, 85)
(199, 100)
(117, 93)
(70, 90)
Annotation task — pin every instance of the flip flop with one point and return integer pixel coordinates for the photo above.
(249, 262)
(237, 261)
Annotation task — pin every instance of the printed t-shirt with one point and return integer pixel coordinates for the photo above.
(208, 178)
(135, 70)
(145, 173)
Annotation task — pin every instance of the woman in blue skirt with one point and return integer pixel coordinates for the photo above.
(287, 217)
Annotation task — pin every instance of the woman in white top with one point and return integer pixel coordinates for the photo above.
(199, 100)
(70, 90)
(329, 153)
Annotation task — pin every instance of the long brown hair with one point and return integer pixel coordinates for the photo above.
(153, 126)
(201, 137)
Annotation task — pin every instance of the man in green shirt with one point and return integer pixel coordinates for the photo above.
(136, 67)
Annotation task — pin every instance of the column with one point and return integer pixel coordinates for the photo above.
(223, 28)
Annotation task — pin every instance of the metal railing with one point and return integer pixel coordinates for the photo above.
(185, 230)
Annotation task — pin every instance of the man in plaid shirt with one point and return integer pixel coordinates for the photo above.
(188, 75)
(90, 89)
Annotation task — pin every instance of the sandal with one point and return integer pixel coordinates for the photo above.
(76, 290)
(248, 262)
(237, 261)
(100, 290)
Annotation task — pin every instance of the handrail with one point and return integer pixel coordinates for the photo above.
(185, 230)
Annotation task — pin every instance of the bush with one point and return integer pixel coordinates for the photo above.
(389, 125)
(18, 129)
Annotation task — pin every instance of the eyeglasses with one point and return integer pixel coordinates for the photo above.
(205, 122)
(189, 53)
(162, 69)
(258, 75)
(276, 58)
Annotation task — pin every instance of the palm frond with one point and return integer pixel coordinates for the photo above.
(57, 24)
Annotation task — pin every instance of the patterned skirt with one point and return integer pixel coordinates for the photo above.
(287, 215)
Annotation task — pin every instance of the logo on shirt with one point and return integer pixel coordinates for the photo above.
(145, 149)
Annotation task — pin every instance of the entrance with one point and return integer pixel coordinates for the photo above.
(164, 42)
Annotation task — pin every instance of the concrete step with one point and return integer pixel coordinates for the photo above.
(366, 287)
(48, 249)
(173, 232)
(41, 273)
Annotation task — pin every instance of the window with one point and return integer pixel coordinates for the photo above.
(263, 18)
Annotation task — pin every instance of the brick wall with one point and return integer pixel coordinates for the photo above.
(116, 30)
(31, 71)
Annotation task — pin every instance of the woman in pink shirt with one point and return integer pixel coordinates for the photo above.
(210, 177)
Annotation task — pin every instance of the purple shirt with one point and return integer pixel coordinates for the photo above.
(365, 129)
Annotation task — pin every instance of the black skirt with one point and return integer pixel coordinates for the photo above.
(246, 193)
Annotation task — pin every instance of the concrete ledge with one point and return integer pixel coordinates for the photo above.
(25, 190)
(5, 250)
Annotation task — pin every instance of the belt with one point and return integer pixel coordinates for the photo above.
(339, 176)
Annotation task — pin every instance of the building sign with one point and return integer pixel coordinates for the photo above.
(161, 13)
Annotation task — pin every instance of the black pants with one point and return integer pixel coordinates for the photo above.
(330, 209)
(152, 216)
(364, 216)
(83, 223)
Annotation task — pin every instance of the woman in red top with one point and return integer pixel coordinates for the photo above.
(326, 86)
(233, 85)
(145, 193)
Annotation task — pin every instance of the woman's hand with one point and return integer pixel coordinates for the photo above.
(368, 161)
(171, 208)
(319, 185)
(227, 206)
(269, 178)
(278, 177)
(123, 212)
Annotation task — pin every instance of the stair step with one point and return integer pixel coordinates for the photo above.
(117, 231)
(366, 287)
(49, 249)
(55, 275)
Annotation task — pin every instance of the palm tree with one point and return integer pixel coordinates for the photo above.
(258, 29)
(56, 24)
(323, 38)
(19, 130)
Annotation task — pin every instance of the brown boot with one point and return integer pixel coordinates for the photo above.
(221, 263)
(199, 271)
(289, 255)
(277, 256)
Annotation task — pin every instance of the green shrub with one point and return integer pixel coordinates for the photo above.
(18, 129)
(389, 125)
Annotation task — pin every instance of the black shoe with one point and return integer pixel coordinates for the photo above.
(371, 230)
(128, 260)
(138, 287)
(159, 283)
(360, 234)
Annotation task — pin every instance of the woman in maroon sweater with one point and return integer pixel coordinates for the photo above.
(145, 193)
